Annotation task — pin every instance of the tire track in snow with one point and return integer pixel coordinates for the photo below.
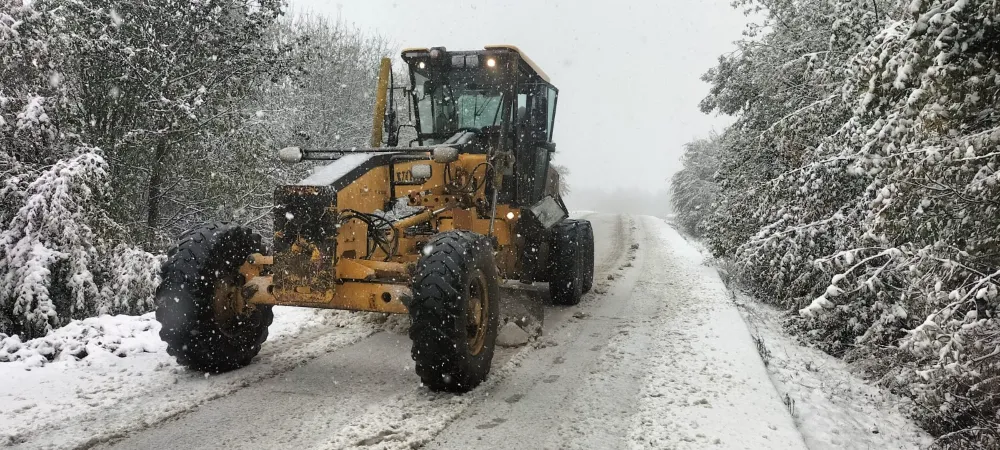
(606, 399)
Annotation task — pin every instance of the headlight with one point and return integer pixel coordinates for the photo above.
(290, 155)
(421, 171)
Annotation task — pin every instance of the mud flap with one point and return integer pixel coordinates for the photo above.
(524, 305)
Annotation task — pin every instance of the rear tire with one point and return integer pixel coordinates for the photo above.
(587, 241)
(566, 263)
(455, 311)
(203, 324)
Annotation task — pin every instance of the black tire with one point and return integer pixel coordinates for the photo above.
(587, 241)
(452, 344)
(566, 258)
(196, 334)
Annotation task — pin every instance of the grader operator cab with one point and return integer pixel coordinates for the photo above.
(430, 229)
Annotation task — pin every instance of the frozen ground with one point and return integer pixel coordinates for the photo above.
(656, 356)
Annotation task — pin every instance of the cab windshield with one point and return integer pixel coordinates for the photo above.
(454, 100)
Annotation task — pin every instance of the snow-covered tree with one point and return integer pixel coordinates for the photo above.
(122, 124)
(326, 102)
(858, 189)
(150, 80)
(693, 189)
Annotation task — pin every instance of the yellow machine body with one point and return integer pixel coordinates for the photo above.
(324, 259)
(350, 279)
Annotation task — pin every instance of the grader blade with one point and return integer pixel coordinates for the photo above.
(524, 305)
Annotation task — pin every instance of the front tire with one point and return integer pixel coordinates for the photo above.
(455, 311)
(205, 321)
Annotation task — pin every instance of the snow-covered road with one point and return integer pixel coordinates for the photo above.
(655, 357)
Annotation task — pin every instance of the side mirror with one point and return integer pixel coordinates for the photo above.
(548, 212)
(290, 155)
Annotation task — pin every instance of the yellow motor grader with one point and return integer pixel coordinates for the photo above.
(429, 229)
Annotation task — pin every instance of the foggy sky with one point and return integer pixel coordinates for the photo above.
(628, 72)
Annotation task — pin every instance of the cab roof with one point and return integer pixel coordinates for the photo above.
(534, 67)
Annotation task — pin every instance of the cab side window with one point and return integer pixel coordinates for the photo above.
(539, 115)
(551, 102)
(521, 116)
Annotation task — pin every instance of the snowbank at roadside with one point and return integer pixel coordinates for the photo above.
(834, 408)
(95, 338)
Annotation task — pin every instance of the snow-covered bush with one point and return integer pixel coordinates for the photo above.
(129, 278)
(47, 249)
(53, 264)
(61, 255)
(858, 188)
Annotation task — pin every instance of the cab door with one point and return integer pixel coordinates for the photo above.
(534, 118)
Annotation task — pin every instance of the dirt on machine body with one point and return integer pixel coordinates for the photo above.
(428, 229)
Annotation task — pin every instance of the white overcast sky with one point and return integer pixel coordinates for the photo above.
(627, 71)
